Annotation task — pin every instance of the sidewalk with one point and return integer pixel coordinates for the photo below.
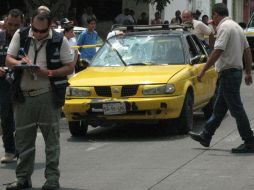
(214, 168)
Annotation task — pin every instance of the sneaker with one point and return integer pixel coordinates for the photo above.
(244, 148)
(18, 185)
(8, 158)
(203, 139)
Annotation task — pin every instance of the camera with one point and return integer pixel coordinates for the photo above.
(5, 69)
(8, 74)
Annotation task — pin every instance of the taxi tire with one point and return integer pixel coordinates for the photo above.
(185, 122)
(78, 128)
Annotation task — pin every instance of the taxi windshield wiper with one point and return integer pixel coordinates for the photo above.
(118, 54)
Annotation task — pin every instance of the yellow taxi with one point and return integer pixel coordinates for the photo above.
(146, 74)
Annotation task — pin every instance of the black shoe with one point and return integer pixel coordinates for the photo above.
(244, 148)
(50, 187)
(19, 185)
(201, 138)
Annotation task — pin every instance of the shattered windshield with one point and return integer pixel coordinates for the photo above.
(140, 50)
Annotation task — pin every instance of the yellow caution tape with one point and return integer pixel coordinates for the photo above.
(87, 46)
(206, 37)
(248, 33)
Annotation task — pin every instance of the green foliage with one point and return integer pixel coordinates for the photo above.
(160, 4)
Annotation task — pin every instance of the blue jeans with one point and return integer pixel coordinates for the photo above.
(228, 98)
(7, 118)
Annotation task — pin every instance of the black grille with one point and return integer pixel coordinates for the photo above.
(129, 90)
(103, 91)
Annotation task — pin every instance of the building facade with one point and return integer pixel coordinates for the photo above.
(248, 9)
(107, 10)
(169, 11)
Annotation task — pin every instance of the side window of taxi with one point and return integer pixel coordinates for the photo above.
(193, 50)
(200, 47)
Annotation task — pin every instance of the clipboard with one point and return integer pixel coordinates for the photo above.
(26, 67)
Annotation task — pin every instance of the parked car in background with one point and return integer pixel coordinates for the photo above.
(249, 32)
(147, 74)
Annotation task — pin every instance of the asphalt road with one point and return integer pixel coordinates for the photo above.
(141, 157)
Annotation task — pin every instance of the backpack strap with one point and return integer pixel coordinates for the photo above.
(53, 50)
(58, 84)
(17, 94)
(25, 40)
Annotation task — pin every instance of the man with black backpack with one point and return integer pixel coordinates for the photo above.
(41, 59)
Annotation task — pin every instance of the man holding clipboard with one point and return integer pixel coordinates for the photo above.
(39, 95)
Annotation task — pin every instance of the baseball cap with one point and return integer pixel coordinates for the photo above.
(64, 21)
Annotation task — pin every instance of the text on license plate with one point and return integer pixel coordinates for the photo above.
(114, 108)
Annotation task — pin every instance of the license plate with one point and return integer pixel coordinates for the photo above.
(114, 108)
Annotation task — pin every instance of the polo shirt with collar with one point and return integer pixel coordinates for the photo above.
(230, 39)
(27, 80)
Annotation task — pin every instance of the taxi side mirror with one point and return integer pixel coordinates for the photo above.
(198, 59)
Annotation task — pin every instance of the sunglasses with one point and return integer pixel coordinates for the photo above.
(39, 31)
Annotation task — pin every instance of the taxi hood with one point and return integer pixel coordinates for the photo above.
(105, 76)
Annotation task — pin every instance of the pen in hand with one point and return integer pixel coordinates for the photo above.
(24, 57)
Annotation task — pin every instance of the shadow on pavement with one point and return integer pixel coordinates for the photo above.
(212, 152)
(66, 188)
(61, 188)
(12, 166)
(214, 149)
(125, 133)
(39, 188)
(9, 166)
(135, 132)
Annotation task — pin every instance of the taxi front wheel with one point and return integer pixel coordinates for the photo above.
(185, 122)
(78, 128)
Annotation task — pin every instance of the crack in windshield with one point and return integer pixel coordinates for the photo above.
(140, 51)
(118, 54)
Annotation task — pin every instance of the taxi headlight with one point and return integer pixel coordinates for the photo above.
(78, 91)
(158, 89)
(170, 89)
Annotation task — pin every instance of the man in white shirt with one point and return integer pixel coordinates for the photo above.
(230, 46)
(124, 17)
(70, 35)
(200, 29)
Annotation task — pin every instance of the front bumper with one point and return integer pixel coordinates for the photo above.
(155, 108)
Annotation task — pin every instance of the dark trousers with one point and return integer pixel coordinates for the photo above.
(228, 98)
(7, 118)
